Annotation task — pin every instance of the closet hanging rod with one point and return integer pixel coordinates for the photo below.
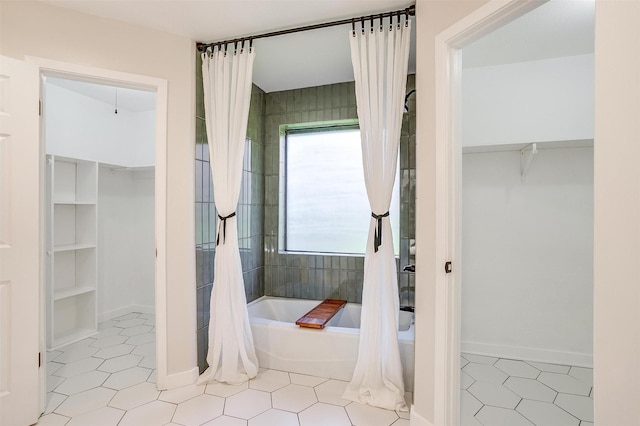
(408, 11)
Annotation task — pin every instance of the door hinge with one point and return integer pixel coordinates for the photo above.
(39, 359)
(448, 267)
(40, 108)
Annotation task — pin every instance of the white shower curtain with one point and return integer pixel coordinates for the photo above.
(380, 61)
(227, 93)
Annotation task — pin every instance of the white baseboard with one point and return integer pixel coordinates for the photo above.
(528, 354)
(143, 309)
(417, 419)
(172, 381)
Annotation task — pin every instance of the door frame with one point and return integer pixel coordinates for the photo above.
(448, 174)
(134, 81)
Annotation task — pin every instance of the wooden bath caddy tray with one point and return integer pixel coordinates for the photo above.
(319, 316)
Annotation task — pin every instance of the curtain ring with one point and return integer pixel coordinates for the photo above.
(380, 17)
(398, 16)
(353, 26)
(225, 49)
(406, 17)
(250, 45)
(371, 23)
(362, 24)
(235, 47)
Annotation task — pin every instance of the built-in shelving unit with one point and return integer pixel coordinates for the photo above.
(72, 195)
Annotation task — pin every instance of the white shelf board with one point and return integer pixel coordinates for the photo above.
(72, 160)
(73, 336)
(76, 203)
(71, 292)
(124, 167)
(581, 143)
(70, 247)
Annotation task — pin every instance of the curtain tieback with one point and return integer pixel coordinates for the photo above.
(224, 228)
(377, 238)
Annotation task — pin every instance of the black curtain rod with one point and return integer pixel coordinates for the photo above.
(409, 11)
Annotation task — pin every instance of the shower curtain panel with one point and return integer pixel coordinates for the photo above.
(227, 93)
(380, 61)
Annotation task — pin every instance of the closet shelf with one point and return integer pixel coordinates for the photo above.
(71, 292)
(70, 247)
(74, 203)
(124, 168)
(579, 143)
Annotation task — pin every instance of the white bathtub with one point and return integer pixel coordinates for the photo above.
(332, 352)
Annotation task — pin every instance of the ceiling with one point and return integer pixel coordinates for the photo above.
(129, 99)
(557, 28)
(278, 64)
(312, 58)
(214, 20)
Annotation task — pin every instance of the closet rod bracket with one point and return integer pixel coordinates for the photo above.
(526, 157)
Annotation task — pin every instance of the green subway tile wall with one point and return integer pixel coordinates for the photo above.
(266, 271)
(327, 276)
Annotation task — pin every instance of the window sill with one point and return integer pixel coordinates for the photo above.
(317, 253)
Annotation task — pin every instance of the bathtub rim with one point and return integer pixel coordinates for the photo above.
(404, 336)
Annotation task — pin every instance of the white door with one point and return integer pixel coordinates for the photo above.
(19, 243)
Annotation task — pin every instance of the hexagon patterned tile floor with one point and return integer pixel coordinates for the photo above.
(109, 379)
(533, 393)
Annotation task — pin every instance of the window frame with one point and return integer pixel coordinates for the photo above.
(306, 128)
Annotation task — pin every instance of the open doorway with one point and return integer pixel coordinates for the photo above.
(450, 132)
(100, 237)
(527, 220)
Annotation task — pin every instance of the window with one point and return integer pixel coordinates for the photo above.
(323, 203)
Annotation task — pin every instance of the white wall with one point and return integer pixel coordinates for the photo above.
(126, 252)
(144, 213)
(527, 254)
(79, 126)
(34, 28)
(535, 101)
